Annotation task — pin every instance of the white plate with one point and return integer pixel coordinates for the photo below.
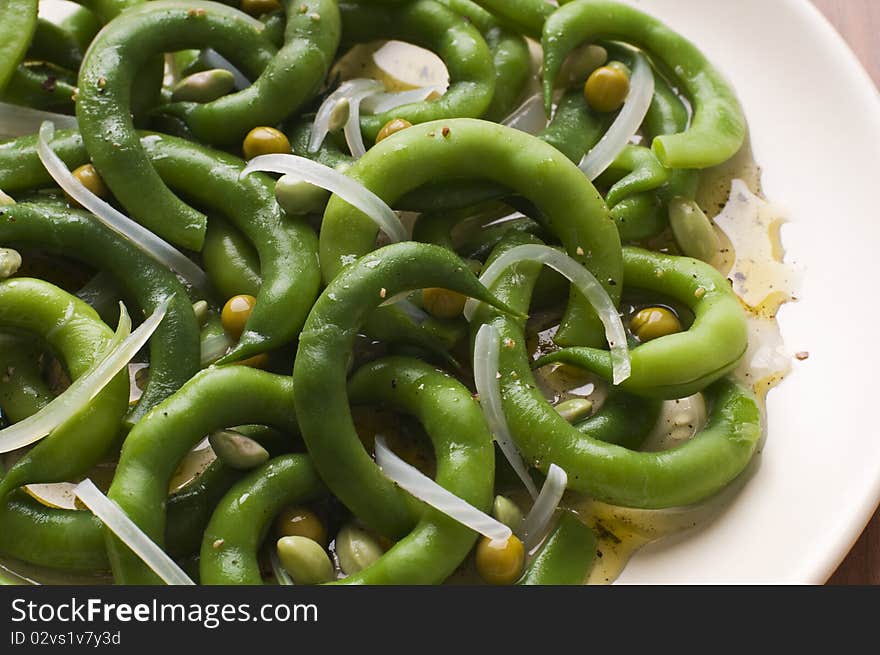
(814, 116)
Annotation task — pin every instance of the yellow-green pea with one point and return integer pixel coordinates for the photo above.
(356, 549)
(443, 303)
(10, 262)
(393, 126)
(606, 89)
(506, 511)
(88, 176)
(575, 410)
(5, 200)
(237, 451)
(300, 521)
(298, 197)
(236, 313)
(653, 323)
(500, 562)
(694, 233)
(204, 86)
(305, 560)
(265, 141)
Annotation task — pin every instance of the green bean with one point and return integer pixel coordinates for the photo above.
(431, 25)
(174, 355)
(232, 264)
(684, 363)
(74, 540)
(717, 129)
(319, 371)
(41, 86)
(524, 16)
(18, 21)
(75, 331)
(572, 208)
(23, 391)
(289, 80)
(244, 515)
(63, 37)
(639, 217)
(286, 246)
(435, 546)
(623, 419)
(567, 556)
(154, 27)
(510, 54)
(212, 400)
(687, 474)
(641, 172)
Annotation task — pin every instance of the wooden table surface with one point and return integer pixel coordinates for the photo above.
(859, 23)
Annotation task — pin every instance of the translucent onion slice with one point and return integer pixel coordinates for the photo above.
(534, 527)
(627, 123)
(585, 282)
(141, 237)
(486, 377)
(346, 188)
(115, 520)
(124, 346)
(431, 493)
(21, 121)
(351, 90)
(529, 117)
(214, 59)
(352, 130)
(379, 103)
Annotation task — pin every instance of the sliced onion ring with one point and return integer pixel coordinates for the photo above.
(379, 103)
(627, 123)
(358, 88)
(429, 492)
(160, 250)
(122, 348)
(534, 527)
(21, 121)
(352, 130)
(115, 520)
(486, 375)
(583, 280)
(345, 187)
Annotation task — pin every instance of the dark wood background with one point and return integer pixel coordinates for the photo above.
(859, 23)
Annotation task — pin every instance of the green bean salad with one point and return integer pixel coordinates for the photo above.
(371, 291)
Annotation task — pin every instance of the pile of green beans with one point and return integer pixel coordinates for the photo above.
(357, 338)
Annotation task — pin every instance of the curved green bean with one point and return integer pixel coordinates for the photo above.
(717, 129)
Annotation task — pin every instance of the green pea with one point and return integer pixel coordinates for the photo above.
(237, 451)
(298, 197)
(305, 560)
(356, 549)
(506, 511)
(575, 410)
(607, 89)
(205, 86)
(693, 231)
(10, 262)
